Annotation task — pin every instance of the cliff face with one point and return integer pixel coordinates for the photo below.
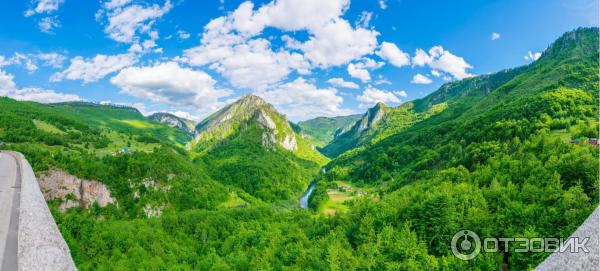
(173, 121)
(74, 192)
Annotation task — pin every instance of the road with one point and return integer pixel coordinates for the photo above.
(10, 189)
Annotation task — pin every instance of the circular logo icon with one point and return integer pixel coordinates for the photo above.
(466, 245)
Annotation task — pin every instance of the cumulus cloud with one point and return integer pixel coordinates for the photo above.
(495, 36)
(232, 46)
(9, 89)
(532, 56)
(391, 53)
(371, 96)
(401, 93)
(248, 65)
(42, 95)
(43, 6)
(127, 21)
(169, 83)
(31, 61)
(48, 24)
(368, 63)
(420, 79)
(442, 61)
(94, 69)
(337, 43)
(340, 82)
(421, 58)
(302, 100)
(53, 59)
(183, 35)
(359, 73)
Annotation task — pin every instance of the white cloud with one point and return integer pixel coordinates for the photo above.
(94, 69)
(391, 53)
(30, 61)
(421, 58)
(231, 44)
(337, 43)
(301, 100)
(6, 83)
(183, 114)
(420, 79)
(127, 21)
(359, 73)
(53, 59)
(382, 4)
(248, 65)
(48, 24)
(171, 84)
(368, 63)
(532, 56)
(183, 35)
(443, 61)
(371, 96)
(401, 93)
(25, 60)
(41, 95)
(382, 80)
(364, 19)
(8, 88)
(435, 73)
(43, 6)
(495, 36)
(112, 4)
(340, 82)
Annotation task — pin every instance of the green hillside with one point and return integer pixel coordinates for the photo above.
(122, 119)
(497, 161)
(323, 129)
(377, 124)
(250, 145)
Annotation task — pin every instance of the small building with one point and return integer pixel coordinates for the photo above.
(593, 141)
(576, 141)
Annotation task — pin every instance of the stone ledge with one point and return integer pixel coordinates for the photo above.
(40, 244)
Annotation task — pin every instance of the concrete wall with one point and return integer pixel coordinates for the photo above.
(41, 246)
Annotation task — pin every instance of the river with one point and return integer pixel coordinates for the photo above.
(306, 196)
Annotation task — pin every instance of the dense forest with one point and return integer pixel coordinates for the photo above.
(491, 154)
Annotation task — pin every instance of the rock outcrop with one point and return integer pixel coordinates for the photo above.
(185, 125)
(73, 191)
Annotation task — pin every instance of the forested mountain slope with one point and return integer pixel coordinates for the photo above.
(324, 129)
(250, 145)
(500, 163)
(376, 124)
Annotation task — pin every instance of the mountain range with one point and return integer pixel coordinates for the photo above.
(499, 154)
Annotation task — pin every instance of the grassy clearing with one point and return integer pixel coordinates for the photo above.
(234, 201)
(47, 127)
(119, 141)
(139, 124)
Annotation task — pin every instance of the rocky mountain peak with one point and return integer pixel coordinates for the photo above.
(173, 121)
(249, 108)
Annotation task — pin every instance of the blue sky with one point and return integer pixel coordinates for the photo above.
(307, 57)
